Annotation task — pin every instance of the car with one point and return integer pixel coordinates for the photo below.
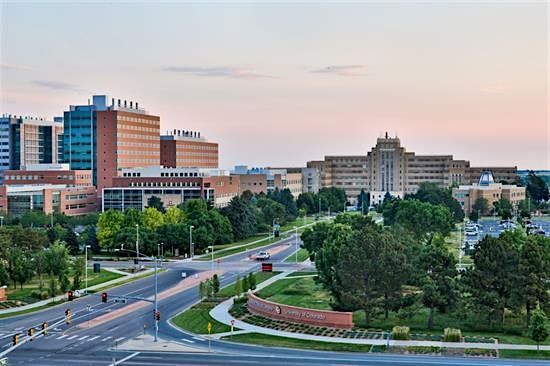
(263, 256)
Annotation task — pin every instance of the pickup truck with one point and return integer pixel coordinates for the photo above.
(263, 256)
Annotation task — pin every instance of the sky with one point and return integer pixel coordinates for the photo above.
(281, 83)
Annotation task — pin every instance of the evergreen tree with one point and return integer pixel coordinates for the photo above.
(252, 281)
(215, 284)
(238, 287)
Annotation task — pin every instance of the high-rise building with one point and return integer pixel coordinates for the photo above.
(28, 140)
(110, 135)
(389, 168)
(187, 149)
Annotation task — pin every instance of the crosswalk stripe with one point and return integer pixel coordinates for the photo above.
(72, 337)
(106, 339)
(93, 338)
(82, 338)
(63, 336)
(119, 339)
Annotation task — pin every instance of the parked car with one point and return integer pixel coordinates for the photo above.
(263, 256)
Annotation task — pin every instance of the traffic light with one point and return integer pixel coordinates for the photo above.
(70, 296)
(157, 315)
(45, 328)
(15, 339)
(104, 297)
(30, 333)
(68, 316)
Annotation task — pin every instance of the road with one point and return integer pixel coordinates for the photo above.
(88, 341)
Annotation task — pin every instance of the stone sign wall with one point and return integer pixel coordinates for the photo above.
(322, 318)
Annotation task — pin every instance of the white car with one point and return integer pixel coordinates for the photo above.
(263, 256)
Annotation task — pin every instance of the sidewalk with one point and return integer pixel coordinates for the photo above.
(147, 343)
(221, 314)
(64, 296)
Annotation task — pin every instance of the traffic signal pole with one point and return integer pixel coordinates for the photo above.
(156, 304)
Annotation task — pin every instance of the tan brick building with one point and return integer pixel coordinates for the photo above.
(187, 149)
(388, 167)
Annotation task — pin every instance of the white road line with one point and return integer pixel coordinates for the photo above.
(119, 339)
(106, 339)
(198, 339)
(63, 336)
(72, 337)
(187, 340)
(19, 328)
(125, 359)
(82, 338)
(93, 338)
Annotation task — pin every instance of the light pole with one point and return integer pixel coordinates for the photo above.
(1, 221)
(86, 268)
(296, 242)
(137, 243)
(191, 227)
(212, 260)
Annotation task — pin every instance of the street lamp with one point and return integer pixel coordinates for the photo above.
(296, 242)
(1, 221)
(211, 247)
(191, 227)
(137, 243)
(86, 267)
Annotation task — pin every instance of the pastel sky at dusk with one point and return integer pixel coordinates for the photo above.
(278, 84)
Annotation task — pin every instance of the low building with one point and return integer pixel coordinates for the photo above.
(48, 198)
(187, 149)
(266, 180)
(172, 185)
(48, 174)
(487, 188)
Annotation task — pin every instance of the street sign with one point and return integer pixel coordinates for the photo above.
(232, 322)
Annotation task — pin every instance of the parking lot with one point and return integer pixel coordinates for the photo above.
(492, 227)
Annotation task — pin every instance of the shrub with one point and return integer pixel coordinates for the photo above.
(400, 333)
(36, 294)
(452, 335)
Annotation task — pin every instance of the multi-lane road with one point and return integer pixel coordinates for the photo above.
(97, 327)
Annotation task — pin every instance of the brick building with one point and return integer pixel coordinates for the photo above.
(187, 149)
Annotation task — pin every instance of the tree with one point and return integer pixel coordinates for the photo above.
(363, 201)
(78, 272)
(430, 192)
(173, 216)
(202, 290)
(64, 283)
(533, 269)
(328, 255)
(152, 218)
(245, 284)
(238, 288)
(57, 259)
(285, 198)
(313, 237)
(4, 277)
(71, 241)
(269, 212)
(242, 218)
(481, 205)
(309, 202)
(537, 187)
(108, 226)
(538, 327)
(333, 198)
(252, 281)
(504, 208)
(371, 270)
(220, 227)
(39, 264)
(156, 203)
(491, 279)
(437, 268)
(474, 216)
(421, 218)
(19, 267)
(215, 284)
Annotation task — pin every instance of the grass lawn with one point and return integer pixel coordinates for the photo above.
(298, 222)
(229, 290)
(269, 340)
(302, 273)
(227, 252)
(302, 292)
(17, 313)
(130, 279)
(24, 294)
(509, 353)
(196, 319)
(303, 254)
(245, 241)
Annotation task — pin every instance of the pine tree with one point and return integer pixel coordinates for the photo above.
(238, 287)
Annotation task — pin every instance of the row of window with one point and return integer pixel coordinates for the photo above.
(165, 184)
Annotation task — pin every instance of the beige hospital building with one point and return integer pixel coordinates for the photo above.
(388, 167)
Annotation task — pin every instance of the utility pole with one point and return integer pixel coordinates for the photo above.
(86, 267)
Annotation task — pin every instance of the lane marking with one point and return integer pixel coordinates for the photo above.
(119, 339)
(82, 338)
(198, 339)
(93, 338)
(72, 337)
(187, 340)
(106, 338)
(125, 359)
(63, 336)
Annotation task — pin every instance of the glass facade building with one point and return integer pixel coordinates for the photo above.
(80, 139)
